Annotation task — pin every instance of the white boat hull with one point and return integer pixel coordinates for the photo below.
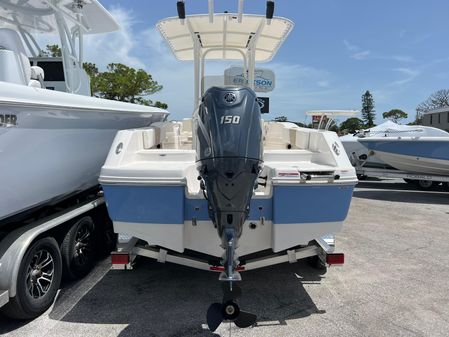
(415, 164)
(48, 152)
(412, 148)
(424, 155)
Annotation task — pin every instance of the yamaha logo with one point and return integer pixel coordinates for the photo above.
(229, 97)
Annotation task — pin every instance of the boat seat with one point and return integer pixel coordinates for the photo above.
(14, 64)
(37, 77)
(35, 84)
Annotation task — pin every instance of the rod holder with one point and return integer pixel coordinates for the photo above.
(180, 6)
(270, 11)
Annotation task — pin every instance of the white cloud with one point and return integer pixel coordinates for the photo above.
(422, 37)
(363, 55)
(351, 47)
(410, 75)
(358, 53)
(117, 47)
(400, 58)
(355, 51)
(323, 83)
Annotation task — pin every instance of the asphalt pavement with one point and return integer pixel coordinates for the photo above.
(395, 282)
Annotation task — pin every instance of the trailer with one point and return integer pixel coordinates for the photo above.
(319, 253)
(423, 181)
(57, 242)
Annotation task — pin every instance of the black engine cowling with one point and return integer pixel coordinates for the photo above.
(229, 155)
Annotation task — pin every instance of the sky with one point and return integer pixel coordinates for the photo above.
(338, 49)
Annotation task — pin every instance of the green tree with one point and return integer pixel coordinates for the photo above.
(351, 125)
(416, 122)
(122, 83)
(395, 115)
(368, 114)
(91, 70)
(53, 50)
(119, 82)
(334, 127)
(281, 119)
(160, 105)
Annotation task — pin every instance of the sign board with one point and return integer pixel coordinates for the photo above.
(317, 118)
(263, 78)
(264, 103)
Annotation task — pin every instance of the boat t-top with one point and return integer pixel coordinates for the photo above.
(54, 137)
(225, 190)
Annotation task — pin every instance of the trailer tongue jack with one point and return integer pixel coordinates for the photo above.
(228, 310)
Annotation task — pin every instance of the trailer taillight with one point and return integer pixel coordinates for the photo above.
(335, 258)
(119, 258)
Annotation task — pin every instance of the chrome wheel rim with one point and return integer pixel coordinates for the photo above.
(83, 245)
(40, 273)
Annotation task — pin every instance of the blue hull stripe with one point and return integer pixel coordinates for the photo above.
(143, 204)
(168, 205)
(308, 204)
(414, 147)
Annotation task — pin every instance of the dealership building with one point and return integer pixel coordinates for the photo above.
(438, 118)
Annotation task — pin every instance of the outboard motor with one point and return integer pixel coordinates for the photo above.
(229, 156)
(229, 159)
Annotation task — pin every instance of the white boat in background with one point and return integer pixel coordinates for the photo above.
(410, 148)
(225, 186)
(428, 155)
(53, 143)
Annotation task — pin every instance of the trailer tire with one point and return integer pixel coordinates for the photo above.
(78, 249)
(425, 184)
(38, 280)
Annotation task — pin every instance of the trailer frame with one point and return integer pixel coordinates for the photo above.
(131, 247)
(375, 172)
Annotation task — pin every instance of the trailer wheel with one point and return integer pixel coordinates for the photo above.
(78, 249)
(425, 184)
(38, 280)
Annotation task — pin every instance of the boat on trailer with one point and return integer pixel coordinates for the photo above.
(274, 192)
(54, 137)
(425, 151)
(361, 153)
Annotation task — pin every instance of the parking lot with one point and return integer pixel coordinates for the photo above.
(395, 282)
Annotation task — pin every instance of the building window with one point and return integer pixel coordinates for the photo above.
(431, 119)
(448, 117)
(439, 118)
